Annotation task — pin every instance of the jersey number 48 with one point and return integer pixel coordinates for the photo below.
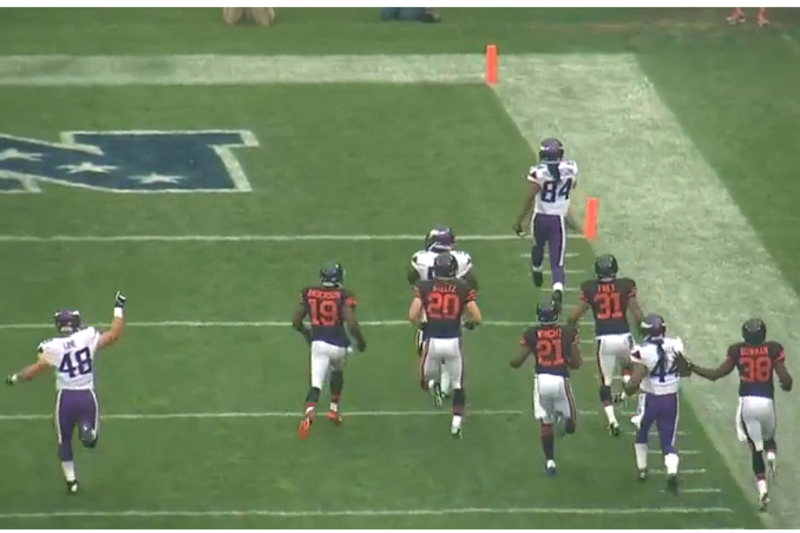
(76, 363)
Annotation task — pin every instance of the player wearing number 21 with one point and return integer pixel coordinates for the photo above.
(72, 355)
(329, 307)
(609, 297)
(756, 359)
(555, 350)
(443, 301)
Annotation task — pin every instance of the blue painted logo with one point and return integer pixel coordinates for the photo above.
(127, 161)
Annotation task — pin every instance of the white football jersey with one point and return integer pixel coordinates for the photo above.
(554, 195)
(422, 262)
(662, 377)
(73, 358)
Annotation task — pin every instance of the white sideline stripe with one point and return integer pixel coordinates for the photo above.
(280, 414)
(696, 263)
(243, 238)
(370, 512)
(568, 255)
(701, 490)
(680, 452)
(259, 324)
(688, 471)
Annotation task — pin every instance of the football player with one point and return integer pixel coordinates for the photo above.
(72, 355)
(550, 184)
(555, 350)
(657, 370)
(756, 359)
(609, 297)
(329, 307)
(439, 240)
(442, 301)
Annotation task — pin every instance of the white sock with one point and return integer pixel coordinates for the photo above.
(612, 418)
(334, 407)
(671, 462)
(761, 485)
(771, 456)
(641, 455)
(431, 384)
(456, 422)
(558, 287)
(69, 470)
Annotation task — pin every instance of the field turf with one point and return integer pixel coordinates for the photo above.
(357, 156)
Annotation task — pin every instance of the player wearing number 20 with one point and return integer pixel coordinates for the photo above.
(756, 359)
(72, 354)
(609, 297)
(657, 371)
(330, 307)
(549, 186)
(442, 302)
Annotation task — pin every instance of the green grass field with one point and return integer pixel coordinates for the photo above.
(367, 135)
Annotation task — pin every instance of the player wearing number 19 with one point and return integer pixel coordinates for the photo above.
(555, 349)
(72, 354)
(609, 297)
(549, 186)
(443, 301)
(756, 359)
(329, 307)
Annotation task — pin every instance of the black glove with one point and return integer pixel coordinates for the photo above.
(119, 300)
(10, 380)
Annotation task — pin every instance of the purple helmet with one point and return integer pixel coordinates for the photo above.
(440, 239)
(68, 320)
(551, 151)
(653, 326)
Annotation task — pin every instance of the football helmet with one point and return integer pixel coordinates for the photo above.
(440, 239)
(68, 320)
(551, 151)
(754, 331)
(653, 326)
(331, 274)
(445, 266)
(606, 267)
(547, 313)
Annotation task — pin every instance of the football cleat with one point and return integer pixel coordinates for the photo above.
(304, 428)
(455, 432)
(550, 468)
(72, 487)
(763, 502)
(334, 417)
(538, 278)
(672, 485)
(636, 420)
(736, 18)
(613, 429)
(436, 394)
(642, 475)
(558, 299)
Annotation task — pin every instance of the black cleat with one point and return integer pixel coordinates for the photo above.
(672, 485)
(558, 299)
(763, 502)
(72, 487)
(538, 278)
(613, 430)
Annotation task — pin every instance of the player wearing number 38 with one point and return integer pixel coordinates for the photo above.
(72, 355)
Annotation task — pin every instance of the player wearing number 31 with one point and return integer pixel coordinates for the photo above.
(549, 186)
(72, 354)
(442, 301)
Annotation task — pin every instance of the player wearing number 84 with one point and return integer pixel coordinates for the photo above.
(72, 355)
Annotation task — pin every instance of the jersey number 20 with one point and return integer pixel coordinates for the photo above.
(443, 305)
(76, 363)
(552, 190)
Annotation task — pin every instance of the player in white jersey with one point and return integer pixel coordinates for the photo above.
(439, 240)
(550, 185)
(657, 372)
(72, 356)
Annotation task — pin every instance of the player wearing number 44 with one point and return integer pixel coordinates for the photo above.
(72, 355)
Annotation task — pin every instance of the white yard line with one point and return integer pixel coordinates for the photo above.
(261, 324)
(242, 238)
(369, 512)
(688, 246)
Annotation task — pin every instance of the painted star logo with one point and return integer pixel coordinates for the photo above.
(88, 167)
(154, 177)
(13, 153)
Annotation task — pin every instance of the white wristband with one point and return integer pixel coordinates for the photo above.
(118, 312)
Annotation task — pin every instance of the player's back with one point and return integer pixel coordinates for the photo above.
(324, 306)
(756, 366)
(444, 302)
(609, 301)
(73, 358)
(554, 193)
(662, 370)
(552, 348)
(422, 262)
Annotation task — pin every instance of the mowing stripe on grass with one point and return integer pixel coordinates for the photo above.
(262, 324)
(245, 238)
(688, 246)
(369, 512)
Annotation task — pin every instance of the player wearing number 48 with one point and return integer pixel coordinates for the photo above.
(72, 355)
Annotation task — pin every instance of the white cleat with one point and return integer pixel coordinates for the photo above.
(636, 420)
(763, 501)
(455, 432)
